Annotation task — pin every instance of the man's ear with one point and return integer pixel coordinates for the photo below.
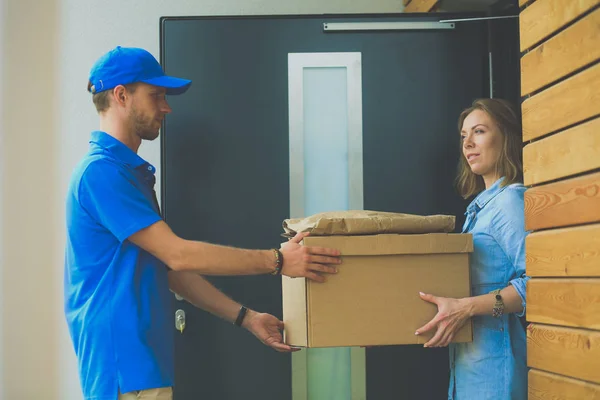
(120, 95)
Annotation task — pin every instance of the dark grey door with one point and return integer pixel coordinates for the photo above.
(226, 170)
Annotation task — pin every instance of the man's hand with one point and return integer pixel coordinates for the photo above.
(309, 262)
(267, 329)
(452, 315)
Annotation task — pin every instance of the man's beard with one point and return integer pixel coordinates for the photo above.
(143, 128)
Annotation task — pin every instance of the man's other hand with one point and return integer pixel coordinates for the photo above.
(267, 329)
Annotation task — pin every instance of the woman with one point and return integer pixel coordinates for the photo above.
(494, 365)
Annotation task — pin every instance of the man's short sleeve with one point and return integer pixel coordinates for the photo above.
(111, 195)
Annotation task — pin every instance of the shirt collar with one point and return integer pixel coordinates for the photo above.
(487, 195)
(119, 150)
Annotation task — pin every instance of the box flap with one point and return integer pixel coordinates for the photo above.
(431, 243)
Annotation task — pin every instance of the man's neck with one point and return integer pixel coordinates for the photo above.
(120, 132)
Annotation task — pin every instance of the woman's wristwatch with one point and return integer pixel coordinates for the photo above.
(498, 309)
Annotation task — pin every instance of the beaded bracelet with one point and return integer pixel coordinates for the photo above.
(278, 262)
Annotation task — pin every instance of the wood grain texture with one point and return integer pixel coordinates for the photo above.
(567, 252)
(570, 101)
(573, 48)
(546, 386)
(420, 6)
(544, 17)
(565, 302)
(569, 202)
(569, 152)
(566, 351)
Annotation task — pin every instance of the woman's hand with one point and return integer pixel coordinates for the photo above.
(452, 315)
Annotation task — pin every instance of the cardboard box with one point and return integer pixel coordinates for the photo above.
(374, 298)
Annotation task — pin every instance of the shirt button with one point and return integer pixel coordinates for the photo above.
(149, 168)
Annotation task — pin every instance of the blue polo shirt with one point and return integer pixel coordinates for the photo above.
(117, 299)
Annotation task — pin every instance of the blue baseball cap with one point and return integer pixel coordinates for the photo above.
(125, 65)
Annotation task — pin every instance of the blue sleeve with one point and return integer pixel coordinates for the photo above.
(107, 191)
(509, 232)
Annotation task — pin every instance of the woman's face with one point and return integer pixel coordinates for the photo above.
(481, 145)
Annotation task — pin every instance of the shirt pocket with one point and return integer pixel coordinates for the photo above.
(488, 262)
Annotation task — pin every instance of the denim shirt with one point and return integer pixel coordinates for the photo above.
(494, 365)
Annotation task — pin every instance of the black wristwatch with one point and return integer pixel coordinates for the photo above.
(240, 318)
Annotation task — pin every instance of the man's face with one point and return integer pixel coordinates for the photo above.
(147, 109)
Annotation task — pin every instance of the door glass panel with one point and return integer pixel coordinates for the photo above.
(325, 140)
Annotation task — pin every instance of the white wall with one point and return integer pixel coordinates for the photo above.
(49, 46)
(31, 213)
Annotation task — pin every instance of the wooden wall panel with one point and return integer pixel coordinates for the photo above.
(546, 386)
(568, 102)
(544, 17)
(570, 152)
(566, 302)
(566, 351)
(569, 202)
(573, 48)
(567, 252)
(421, 5)
(561, 44)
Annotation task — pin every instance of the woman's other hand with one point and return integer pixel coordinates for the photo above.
(451, 316)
